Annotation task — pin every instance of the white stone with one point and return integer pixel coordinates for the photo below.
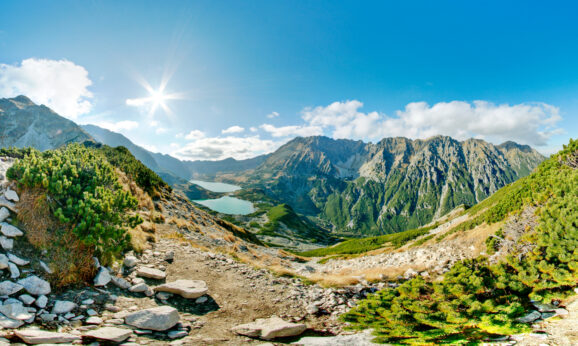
(151, 273)
(139, 288)
(190, 289)
(17, 260)
(11, 195)
(9, 323)
(42, 301)
(63, 307)
(26, 299)
(102, 278)
(9, 230)
(15, 311)
(87, 302)
(110, 334)
(8, 288)
(35, 285)
(160, 318)
(270, 328)
(94, 320)
(130, 261)
(6, 243)
(36, 336)
(4, 214)
(14, 271)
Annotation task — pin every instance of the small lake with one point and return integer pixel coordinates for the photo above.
(226, 204)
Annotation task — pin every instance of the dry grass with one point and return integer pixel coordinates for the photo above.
(144, 200)
(140, 240)
(334, 280)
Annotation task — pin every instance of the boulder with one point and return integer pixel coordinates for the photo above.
(102, 277)
(10, 231)
(11, 195)
(130, 261)
(109, 334)
(270, 328)
(63, 307)
(151, 273)
(35, 285)
(190, 289)
(8, 288)
(160, 318)
(15, 311)
(36, 336)
(4, 214)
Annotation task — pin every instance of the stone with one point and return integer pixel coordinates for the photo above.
(409, 273)
(151, 273)
(8, 288)
(47, 317)
(4, 214)
(42, 301)
(26, 299)
(190, 289)
(130, 261)
(91, 312)
(561, 312)
(9, 323)
(87, 302)
(69, 316)
(11, 195)
(102, 277)
(110, 334)
(170, 256)
(6, 243)
(270, 328)
(17, 260)
(160, 318)
(177, 334)
(45, 267)
(36, 336)
(544, 307)
(201, 300)
(63, 307)
(312, 309)
(4, 261)
(14, 271)
(120, 282)
(531, 317)
(94, 320)
(15, 311)
(35, 285)
(139, 288)
(10, 231)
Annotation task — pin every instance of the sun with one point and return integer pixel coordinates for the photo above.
(158, 98)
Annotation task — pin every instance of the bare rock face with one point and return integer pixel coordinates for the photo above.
(270, 328)
(35, 336)
(160, 318)
(190, 289)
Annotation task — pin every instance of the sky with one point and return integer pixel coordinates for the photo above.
(215, 79)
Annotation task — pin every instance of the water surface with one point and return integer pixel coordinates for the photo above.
(216, 187)
(228, 205)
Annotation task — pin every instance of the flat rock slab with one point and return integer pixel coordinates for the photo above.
(35, 285)
(110, 334)
(190, 289)
(11, 195)
(16, 311)
(9, 323)
(8, 288)
(270, 328)
(160, 318)
(63, 307)
(9, 230)
(151, 273)
(35, 336)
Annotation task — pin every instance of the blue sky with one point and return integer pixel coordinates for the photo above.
(244, 77)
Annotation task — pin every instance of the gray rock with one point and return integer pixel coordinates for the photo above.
(17, 260)
(531, 317)
(270, 328)
(544, 307)
(120, 282)
(42, 301)
(4, 261)
(9, 323)
(47, 317)
(26, 299)
(8, 288)
(102, 278)
(14, 271)
(11, 195)
(130, 261)
(91, 312)
(4, 214)
(110, 334)
(151, 273)
(312, 309)
(139, 288)
(63, 307)
(87, 302)
(94, 320)
(170, 256)
(189, 289)
(15, 311)
(177, 334)
(36, 336)
(35, 285)
(201, 300)
(10, 231)
(160, 318)
(6, 243)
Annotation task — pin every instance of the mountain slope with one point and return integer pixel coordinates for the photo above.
(25, 124)
(393, 185)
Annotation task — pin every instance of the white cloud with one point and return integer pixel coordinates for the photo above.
(154, 123)
(253, 129)
(194, 134)
(161, 130)
(272, 115)
(118, 126)
(295, 130)
(527, 123)
(219, 148)
(234, 129)
(58, 84)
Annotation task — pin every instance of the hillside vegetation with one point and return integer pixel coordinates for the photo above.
(476, 299)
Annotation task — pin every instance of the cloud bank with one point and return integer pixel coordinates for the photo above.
(58, 84)
(219, 148)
